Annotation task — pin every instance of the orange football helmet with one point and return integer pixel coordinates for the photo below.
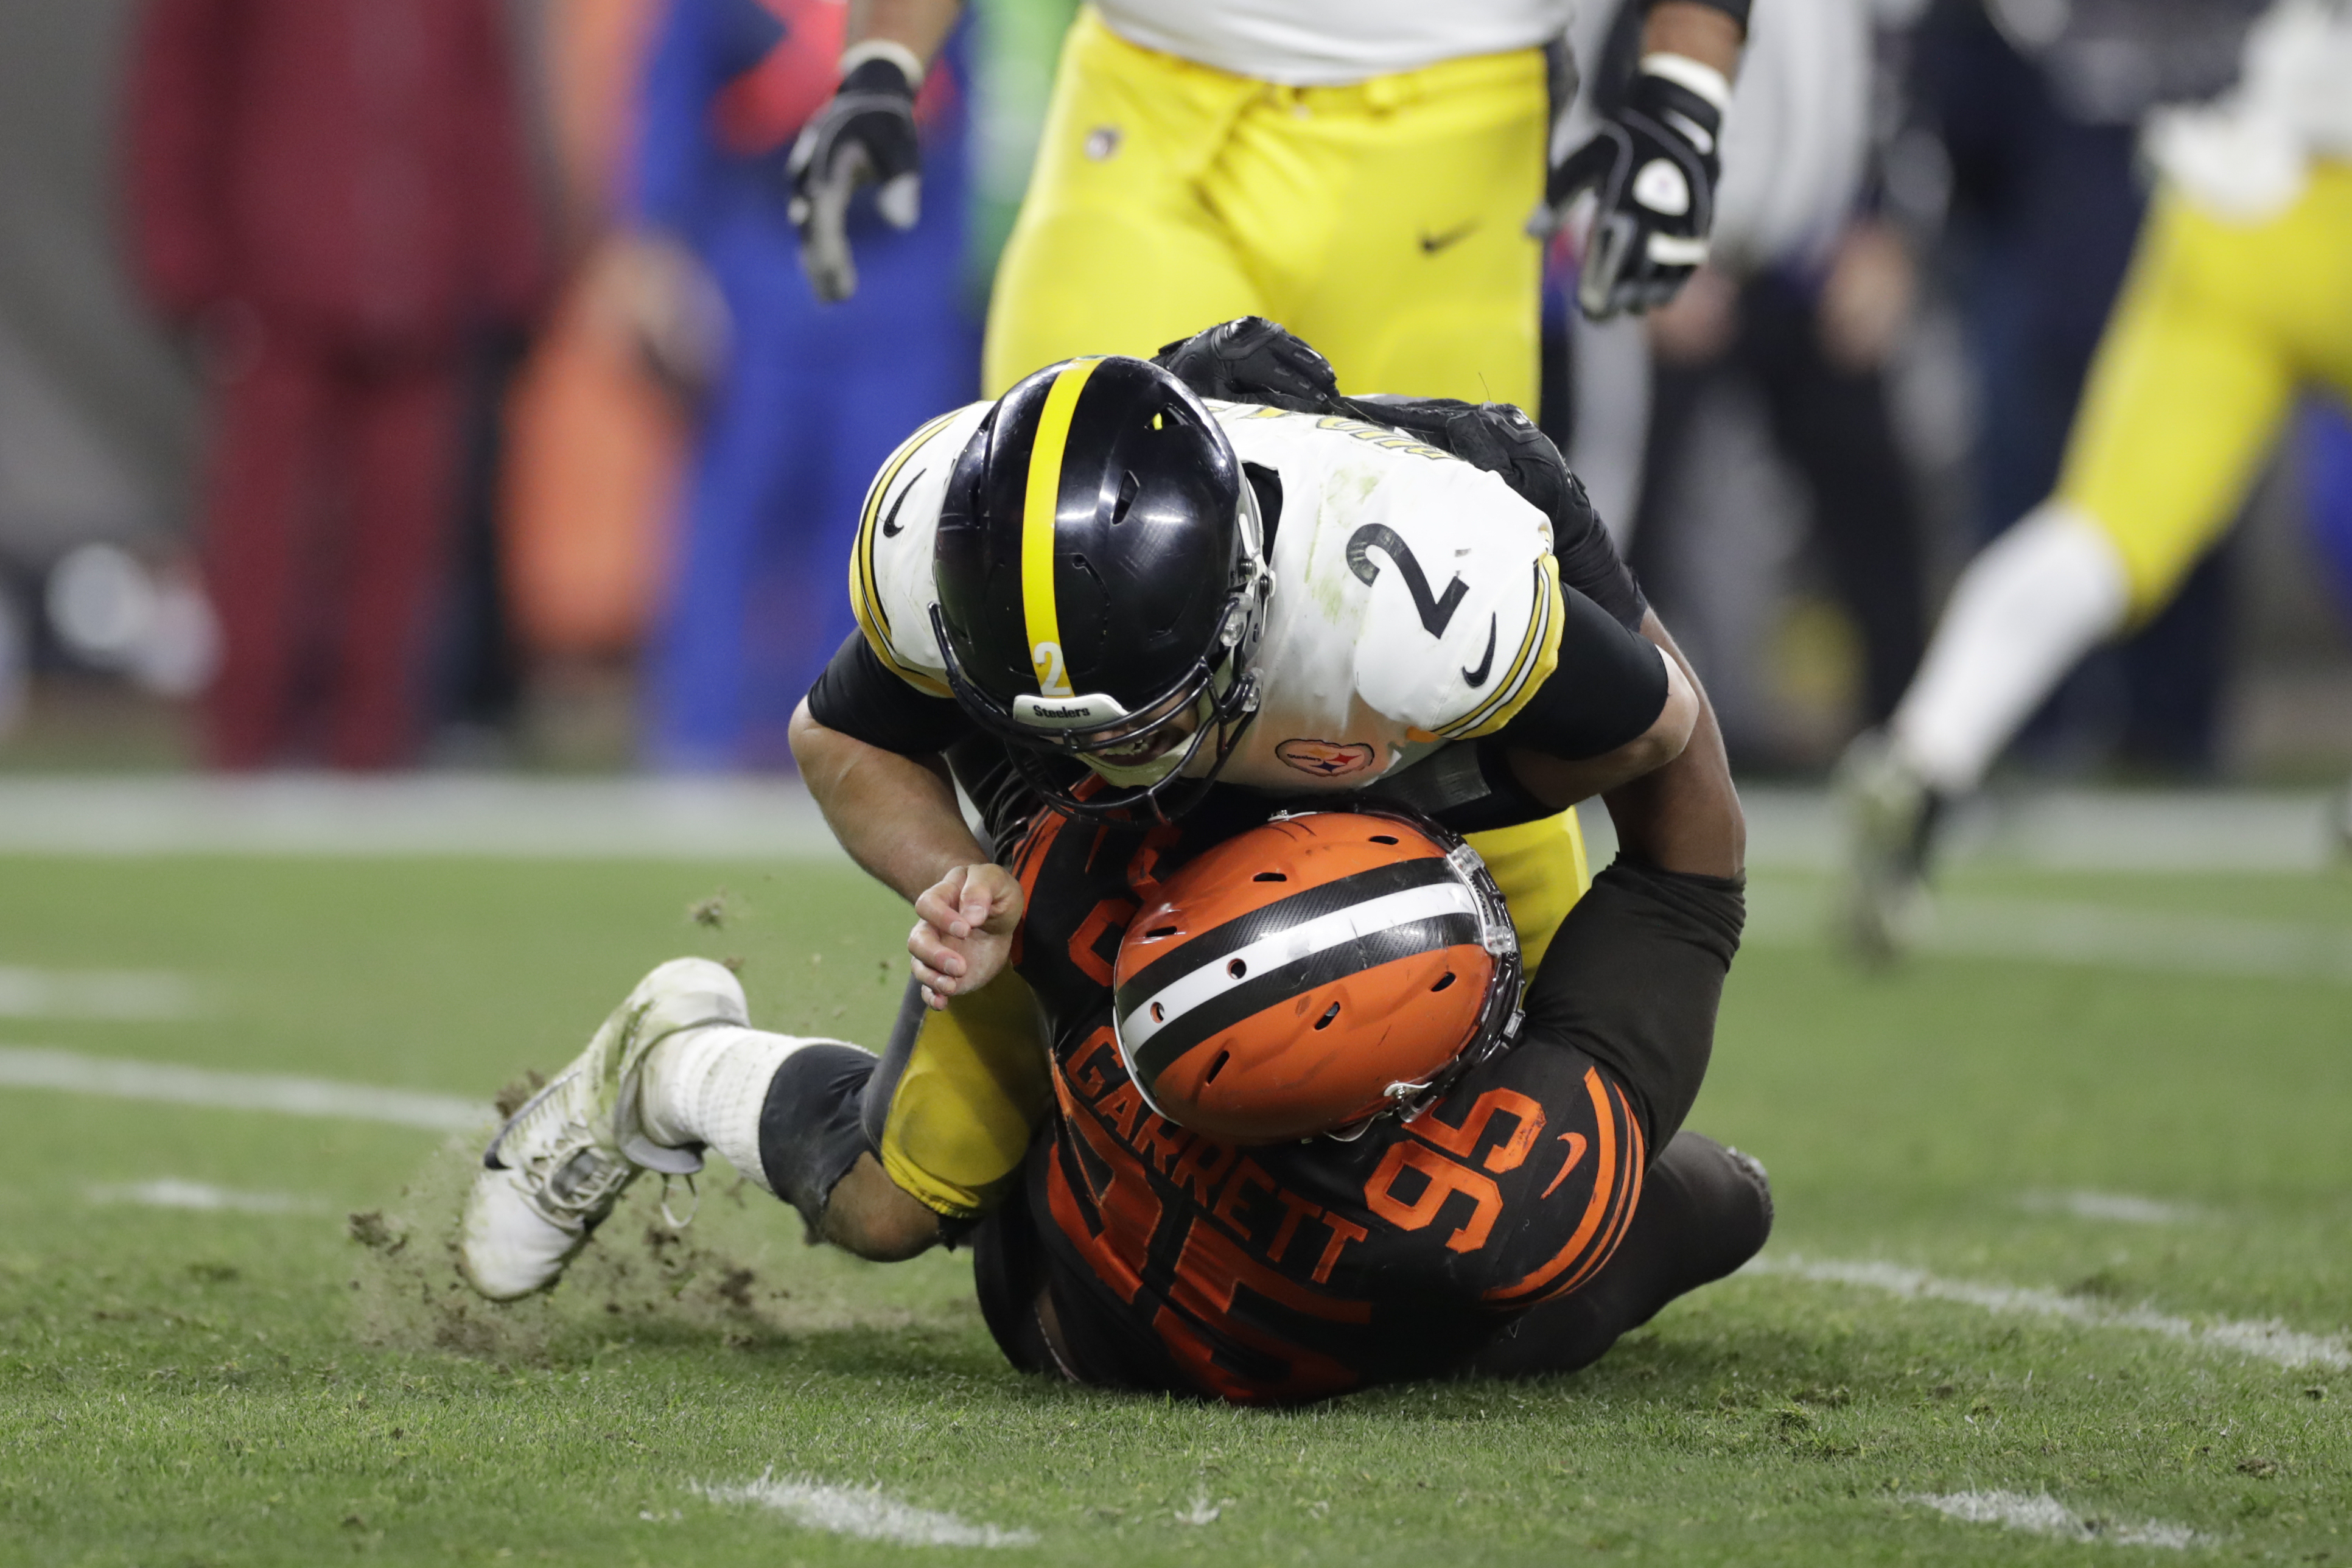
(1314, 972)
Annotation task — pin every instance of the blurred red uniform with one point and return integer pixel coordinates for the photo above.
(340, 187)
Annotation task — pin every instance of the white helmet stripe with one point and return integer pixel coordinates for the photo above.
(1211, 981)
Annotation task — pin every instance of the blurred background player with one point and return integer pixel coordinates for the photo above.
(334, 192)
(2238, 295)
(1368, 175)
(796, 405)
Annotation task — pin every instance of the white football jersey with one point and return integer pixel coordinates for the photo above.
(1415, 597)
(1320, 43)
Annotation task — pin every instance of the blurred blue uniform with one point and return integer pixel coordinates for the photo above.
(813, 397)
(2325, 443)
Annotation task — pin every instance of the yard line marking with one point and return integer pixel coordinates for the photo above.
(2120, 1206)
(37, 1067)
(2102, 935)
(171, 1193)
(2270, 1341)
(131, 995)
(2039, 1514)
(869, 1513)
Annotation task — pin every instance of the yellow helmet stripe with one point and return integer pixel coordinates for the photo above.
(1038, 506)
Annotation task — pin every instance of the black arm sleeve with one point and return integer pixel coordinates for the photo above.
(1634, 979)
(859, 697)
(1609, 686)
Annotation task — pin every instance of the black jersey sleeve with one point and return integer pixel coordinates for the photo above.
(859, 697)
(1609, 686)
(1633, 980)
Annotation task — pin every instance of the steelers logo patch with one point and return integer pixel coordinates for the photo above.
(1325, 758)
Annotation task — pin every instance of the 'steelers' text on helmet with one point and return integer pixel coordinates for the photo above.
(1101, 577)
(1314, 972)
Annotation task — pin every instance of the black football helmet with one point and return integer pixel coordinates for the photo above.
(1102, 584)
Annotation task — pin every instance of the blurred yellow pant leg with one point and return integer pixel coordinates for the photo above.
(2218, 323)
(974, 1090)
(1383, 222)
(1542, 869)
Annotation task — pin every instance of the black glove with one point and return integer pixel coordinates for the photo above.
(864, 134)
(1654, 168)
(1252, 360)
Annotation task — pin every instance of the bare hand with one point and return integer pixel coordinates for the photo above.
(963, 934)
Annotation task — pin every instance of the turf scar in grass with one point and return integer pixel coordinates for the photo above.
(2039, 1514)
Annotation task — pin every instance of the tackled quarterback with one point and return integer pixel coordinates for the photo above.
(1241, 1071)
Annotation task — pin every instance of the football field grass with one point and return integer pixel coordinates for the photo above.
(2063, 1267)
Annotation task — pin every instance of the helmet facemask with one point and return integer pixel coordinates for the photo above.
(1217, 696)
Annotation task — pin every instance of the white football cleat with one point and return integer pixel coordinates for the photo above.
(558, 1167)
(1888, 818)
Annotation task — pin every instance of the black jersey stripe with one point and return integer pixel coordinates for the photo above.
(1277, 985)
(1243, 930)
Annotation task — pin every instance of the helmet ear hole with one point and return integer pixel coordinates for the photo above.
(1444, 981)
(1269, 877)
(1332, 1012)
(1216, 1067)
(1129, 486)
(1384, 838)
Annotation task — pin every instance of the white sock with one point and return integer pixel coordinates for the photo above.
(2034, 601)
(707, 1086)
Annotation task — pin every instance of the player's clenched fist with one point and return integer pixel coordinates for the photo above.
(964, 932)
(864, 135)
(1652, 168)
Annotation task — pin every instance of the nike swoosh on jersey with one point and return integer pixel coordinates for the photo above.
(891, 526)
(1431, 244)
(1475, 679)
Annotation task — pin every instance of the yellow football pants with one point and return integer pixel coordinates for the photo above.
(1382, 222)
(2217, 324)
(977, 1086)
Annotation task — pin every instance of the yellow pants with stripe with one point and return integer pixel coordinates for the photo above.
(976, 1086)
(1383, 222)
(2218, 326)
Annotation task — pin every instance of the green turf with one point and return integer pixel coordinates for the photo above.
(185, 1388)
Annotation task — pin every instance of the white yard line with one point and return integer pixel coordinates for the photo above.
(2122, 1207)
(1789, 914)
(171, 1193)
(2039, 1514)
(504, 816)
(36, 1067)
(869, 1513)
(2268, 1340)
(126, 994)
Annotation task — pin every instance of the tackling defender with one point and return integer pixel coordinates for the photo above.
(1505, 1219)
(1100, 573)
(2238, 293)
